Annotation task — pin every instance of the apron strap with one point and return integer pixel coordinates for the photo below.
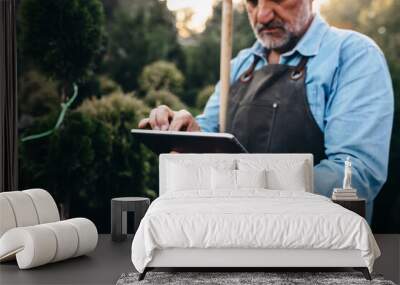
(302, 63)
(248, 74)
(298, 72)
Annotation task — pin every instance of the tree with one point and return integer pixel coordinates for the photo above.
(161, 75)
(37, 97)
(203, 96)
(162, 97)
(343, 15)
(203, 57)
(183, 19)
(140, 33)
(62, 37)
(93, 159)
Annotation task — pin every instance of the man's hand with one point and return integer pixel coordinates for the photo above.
(163, 118)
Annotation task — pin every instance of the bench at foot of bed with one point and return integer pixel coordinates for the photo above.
(363, 270)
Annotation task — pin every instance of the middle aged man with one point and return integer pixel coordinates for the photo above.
(305, 87)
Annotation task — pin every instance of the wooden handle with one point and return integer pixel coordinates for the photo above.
(226, 55)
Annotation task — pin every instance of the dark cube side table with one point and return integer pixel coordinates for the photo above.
(357, 206)
(119, 209)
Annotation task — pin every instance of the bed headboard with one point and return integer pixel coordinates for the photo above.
(166, 158)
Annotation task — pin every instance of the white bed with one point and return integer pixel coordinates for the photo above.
(248, 227)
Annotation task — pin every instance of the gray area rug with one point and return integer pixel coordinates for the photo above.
(243, 278)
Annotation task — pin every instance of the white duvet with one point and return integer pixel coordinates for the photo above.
(250, 219)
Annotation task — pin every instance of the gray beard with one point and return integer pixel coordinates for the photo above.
(275, 44)
(290, 36)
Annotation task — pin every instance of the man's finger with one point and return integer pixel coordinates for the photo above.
(144, 123)
(180, 121)
(162, 119)
(193, 127)
(152, 120)
(177, 125)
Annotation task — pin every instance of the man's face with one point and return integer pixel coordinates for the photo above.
(278, 24)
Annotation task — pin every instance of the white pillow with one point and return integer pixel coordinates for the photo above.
(188, 175)
(223, 179)
(226, 179)
(251, 178)
(181, 177)
(281, 174)
(292, 179)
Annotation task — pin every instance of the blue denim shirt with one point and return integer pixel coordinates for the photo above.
(350, 95)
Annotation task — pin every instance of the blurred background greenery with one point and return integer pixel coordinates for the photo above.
(127, 57)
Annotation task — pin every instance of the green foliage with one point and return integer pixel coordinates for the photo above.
(62, 37)
(93, 158)
(162, 97)
(203, 96)
(161, 75)
(33, 156)
(96, 86)
(344, 16)
(140, 33)
(108, 86)
(381, 22)
(115, 109)
(202, 58)
(37, 95)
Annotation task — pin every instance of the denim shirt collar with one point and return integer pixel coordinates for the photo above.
(308, 45)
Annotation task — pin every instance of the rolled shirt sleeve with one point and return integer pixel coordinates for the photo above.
(358, 122)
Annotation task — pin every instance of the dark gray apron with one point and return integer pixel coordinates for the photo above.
(268, 111)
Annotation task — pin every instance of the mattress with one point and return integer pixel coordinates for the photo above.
(251, 219)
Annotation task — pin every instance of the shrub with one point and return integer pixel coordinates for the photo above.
(203, 96)
(108, 86)
(62, 37)
(162, 97)
(92, 158)
(37, 96)
(161, 75)
(140, 32)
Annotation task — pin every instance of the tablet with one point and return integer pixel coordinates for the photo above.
(188, 142)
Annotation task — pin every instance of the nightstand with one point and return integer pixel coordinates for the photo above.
(357, 205)
(119, 209)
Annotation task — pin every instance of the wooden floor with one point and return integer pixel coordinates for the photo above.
(110, 260)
